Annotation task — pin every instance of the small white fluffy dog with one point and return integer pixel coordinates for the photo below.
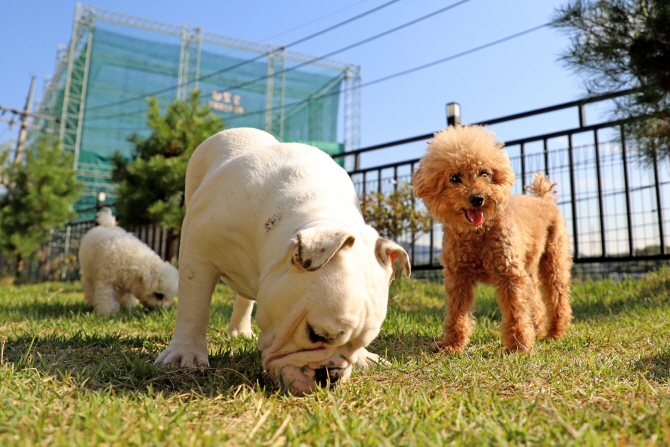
(117, 268)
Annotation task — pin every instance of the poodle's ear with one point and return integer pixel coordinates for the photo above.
(504, 175)
(426, 184)
(386, 250)
(315, 246)
(146, 282)
(419, 182)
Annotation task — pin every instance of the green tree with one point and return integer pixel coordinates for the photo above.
(151, 185)
(5, 151)
(39, 197)
(618, 44)
(395, 214)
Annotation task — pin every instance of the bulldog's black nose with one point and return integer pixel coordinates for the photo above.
(323, 375)
(476, 200)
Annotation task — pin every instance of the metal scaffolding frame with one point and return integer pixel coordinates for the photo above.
(65, 92)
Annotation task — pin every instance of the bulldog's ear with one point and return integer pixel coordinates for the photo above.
(317, 245)
(388, 251)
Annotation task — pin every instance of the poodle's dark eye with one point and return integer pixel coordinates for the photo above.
(455, 178)
(485, 174)
(159, 296)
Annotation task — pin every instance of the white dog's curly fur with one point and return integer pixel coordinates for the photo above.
(117, 268)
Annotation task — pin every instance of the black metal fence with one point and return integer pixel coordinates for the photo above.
(614, 203)
(58, 259)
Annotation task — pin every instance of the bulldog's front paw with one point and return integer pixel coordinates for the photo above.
(183, 355)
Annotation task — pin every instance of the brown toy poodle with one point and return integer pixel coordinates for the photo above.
(517, 243)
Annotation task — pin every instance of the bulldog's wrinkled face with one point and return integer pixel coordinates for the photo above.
(326, 307)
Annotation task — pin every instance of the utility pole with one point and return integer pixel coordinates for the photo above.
(24, 123)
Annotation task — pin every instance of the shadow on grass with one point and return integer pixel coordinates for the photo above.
(656, 366)
(60, 310)
(50, 310)
(621, 299)
(100, 362)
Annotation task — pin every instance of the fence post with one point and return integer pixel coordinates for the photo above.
(624, 159)
(573, 197)
(659, 205)
(603, 248)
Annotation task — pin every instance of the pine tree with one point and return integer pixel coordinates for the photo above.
(395, 214)
(39, 197)
(619, 44)
(151, 185)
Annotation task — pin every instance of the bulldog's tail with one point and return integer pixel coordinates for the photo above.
(105, 218)
(542, 187)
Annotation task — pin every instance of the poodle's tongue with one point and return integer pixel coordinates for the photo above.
(476, 216)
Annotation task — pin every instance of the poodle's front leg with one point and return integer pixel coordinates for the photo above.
(104, 299)
(459, 320)
(188, 348)
(88, 285)
(126, 299)
(514, 295)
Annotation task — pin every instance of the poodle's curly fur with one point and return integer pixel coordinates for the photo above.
(117, 268)
(517, 243)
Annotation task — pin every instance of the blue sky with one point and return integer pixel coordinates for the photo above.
(512, 77)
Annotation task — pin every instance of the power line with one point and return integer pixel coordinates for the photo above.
(379, 80)
(248, 61)
(23, 112)
(401, 73)
(312, 21)
(316, 59)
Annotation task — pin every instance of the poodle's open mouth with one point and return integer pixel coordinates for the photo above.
(475, 216)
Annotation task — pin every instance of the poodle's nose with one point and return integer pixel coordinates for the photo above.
(323, 375)
(476, 200)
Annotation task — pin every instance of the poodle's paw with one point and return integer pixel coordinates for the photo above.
(447, 347)
(554, 334)
(184, 355)
(519, 350)
(367, 359)
(241, 332)
(107, 308)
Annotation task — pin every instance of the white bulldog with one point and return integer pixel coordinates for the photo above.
(281, 224)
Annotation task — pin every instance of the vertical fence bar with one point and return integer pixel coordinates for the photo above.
(412, 234)
(659, 205)
(600, 194)
(582, 115)
(365, 182)
(522, 152)
(546, 158)
(624, 159)
(395, 178)
(379, 181)
(573, 197)
(431, 251)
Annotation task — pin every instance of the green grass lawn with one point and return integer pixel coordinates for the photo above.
(69, 377)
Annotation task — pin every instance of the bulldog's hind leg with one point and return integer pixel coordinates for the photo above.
(366, 359)
(240, 320)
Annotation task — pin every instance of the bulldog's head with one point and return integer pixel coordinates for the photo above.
(318, 313)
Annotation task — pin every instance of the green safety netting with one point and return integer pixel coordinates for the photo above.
(127, 61)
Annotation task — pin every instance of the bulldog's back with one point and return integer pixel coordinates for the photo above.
(247, 195)
(219, 149)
